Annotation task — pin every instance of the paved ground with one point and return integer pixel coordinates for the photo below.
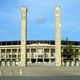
(40, 71)
(42, 78)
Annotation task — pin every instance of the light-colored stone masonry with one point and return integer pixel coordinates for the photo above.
(57, 36)
(23, 35)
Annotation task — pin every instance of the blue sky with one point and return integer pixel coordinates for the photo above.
(10, 15)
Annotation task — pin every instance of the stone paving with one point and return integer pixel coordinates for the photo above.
(39, 71)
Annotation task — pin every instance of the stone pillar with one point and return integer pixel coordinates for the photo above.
(37, 55)
(43, 55)
(0, 57)
(0, 54)
(8, 63)
(13, 63)
(11, 57)
(17, 55)
(72, 63)
(5, 57)
(63, 63)
(1, 73)
(77, 63)
(57, 36)
(3, 63)
(20, 72)
(67, 63)
(23, 35)
(79, 55)
(30, 55)
(49, 55)
(11, 54)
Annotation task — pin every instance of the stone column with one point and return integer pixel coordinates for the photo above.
(11, 57)
(8, 63)
(23, 35)
(0, 54)
(1, 72)
(0, 57)
(79, 55)
(17, 55)
(57, 36)
(17, 60)
(30, 55)
(72, 63)
(3, 63)
(49, 55)
(63, 63)
(21, 72)
(67, 64)
(5, 53)
(14, 63)
(77, 63)
(37, 55)
(43, 55)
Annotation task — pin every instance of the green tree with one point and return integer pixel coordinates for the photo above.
(67, 50)
(70, 52)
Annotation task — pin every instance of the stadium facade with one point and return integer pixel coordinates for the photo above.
(38, 52)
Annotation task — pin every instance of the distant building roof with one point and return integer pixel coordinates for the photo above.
(51, 42)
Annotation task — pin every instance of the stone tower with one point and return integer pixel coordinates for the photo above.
(23, 35)
(57, 36)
